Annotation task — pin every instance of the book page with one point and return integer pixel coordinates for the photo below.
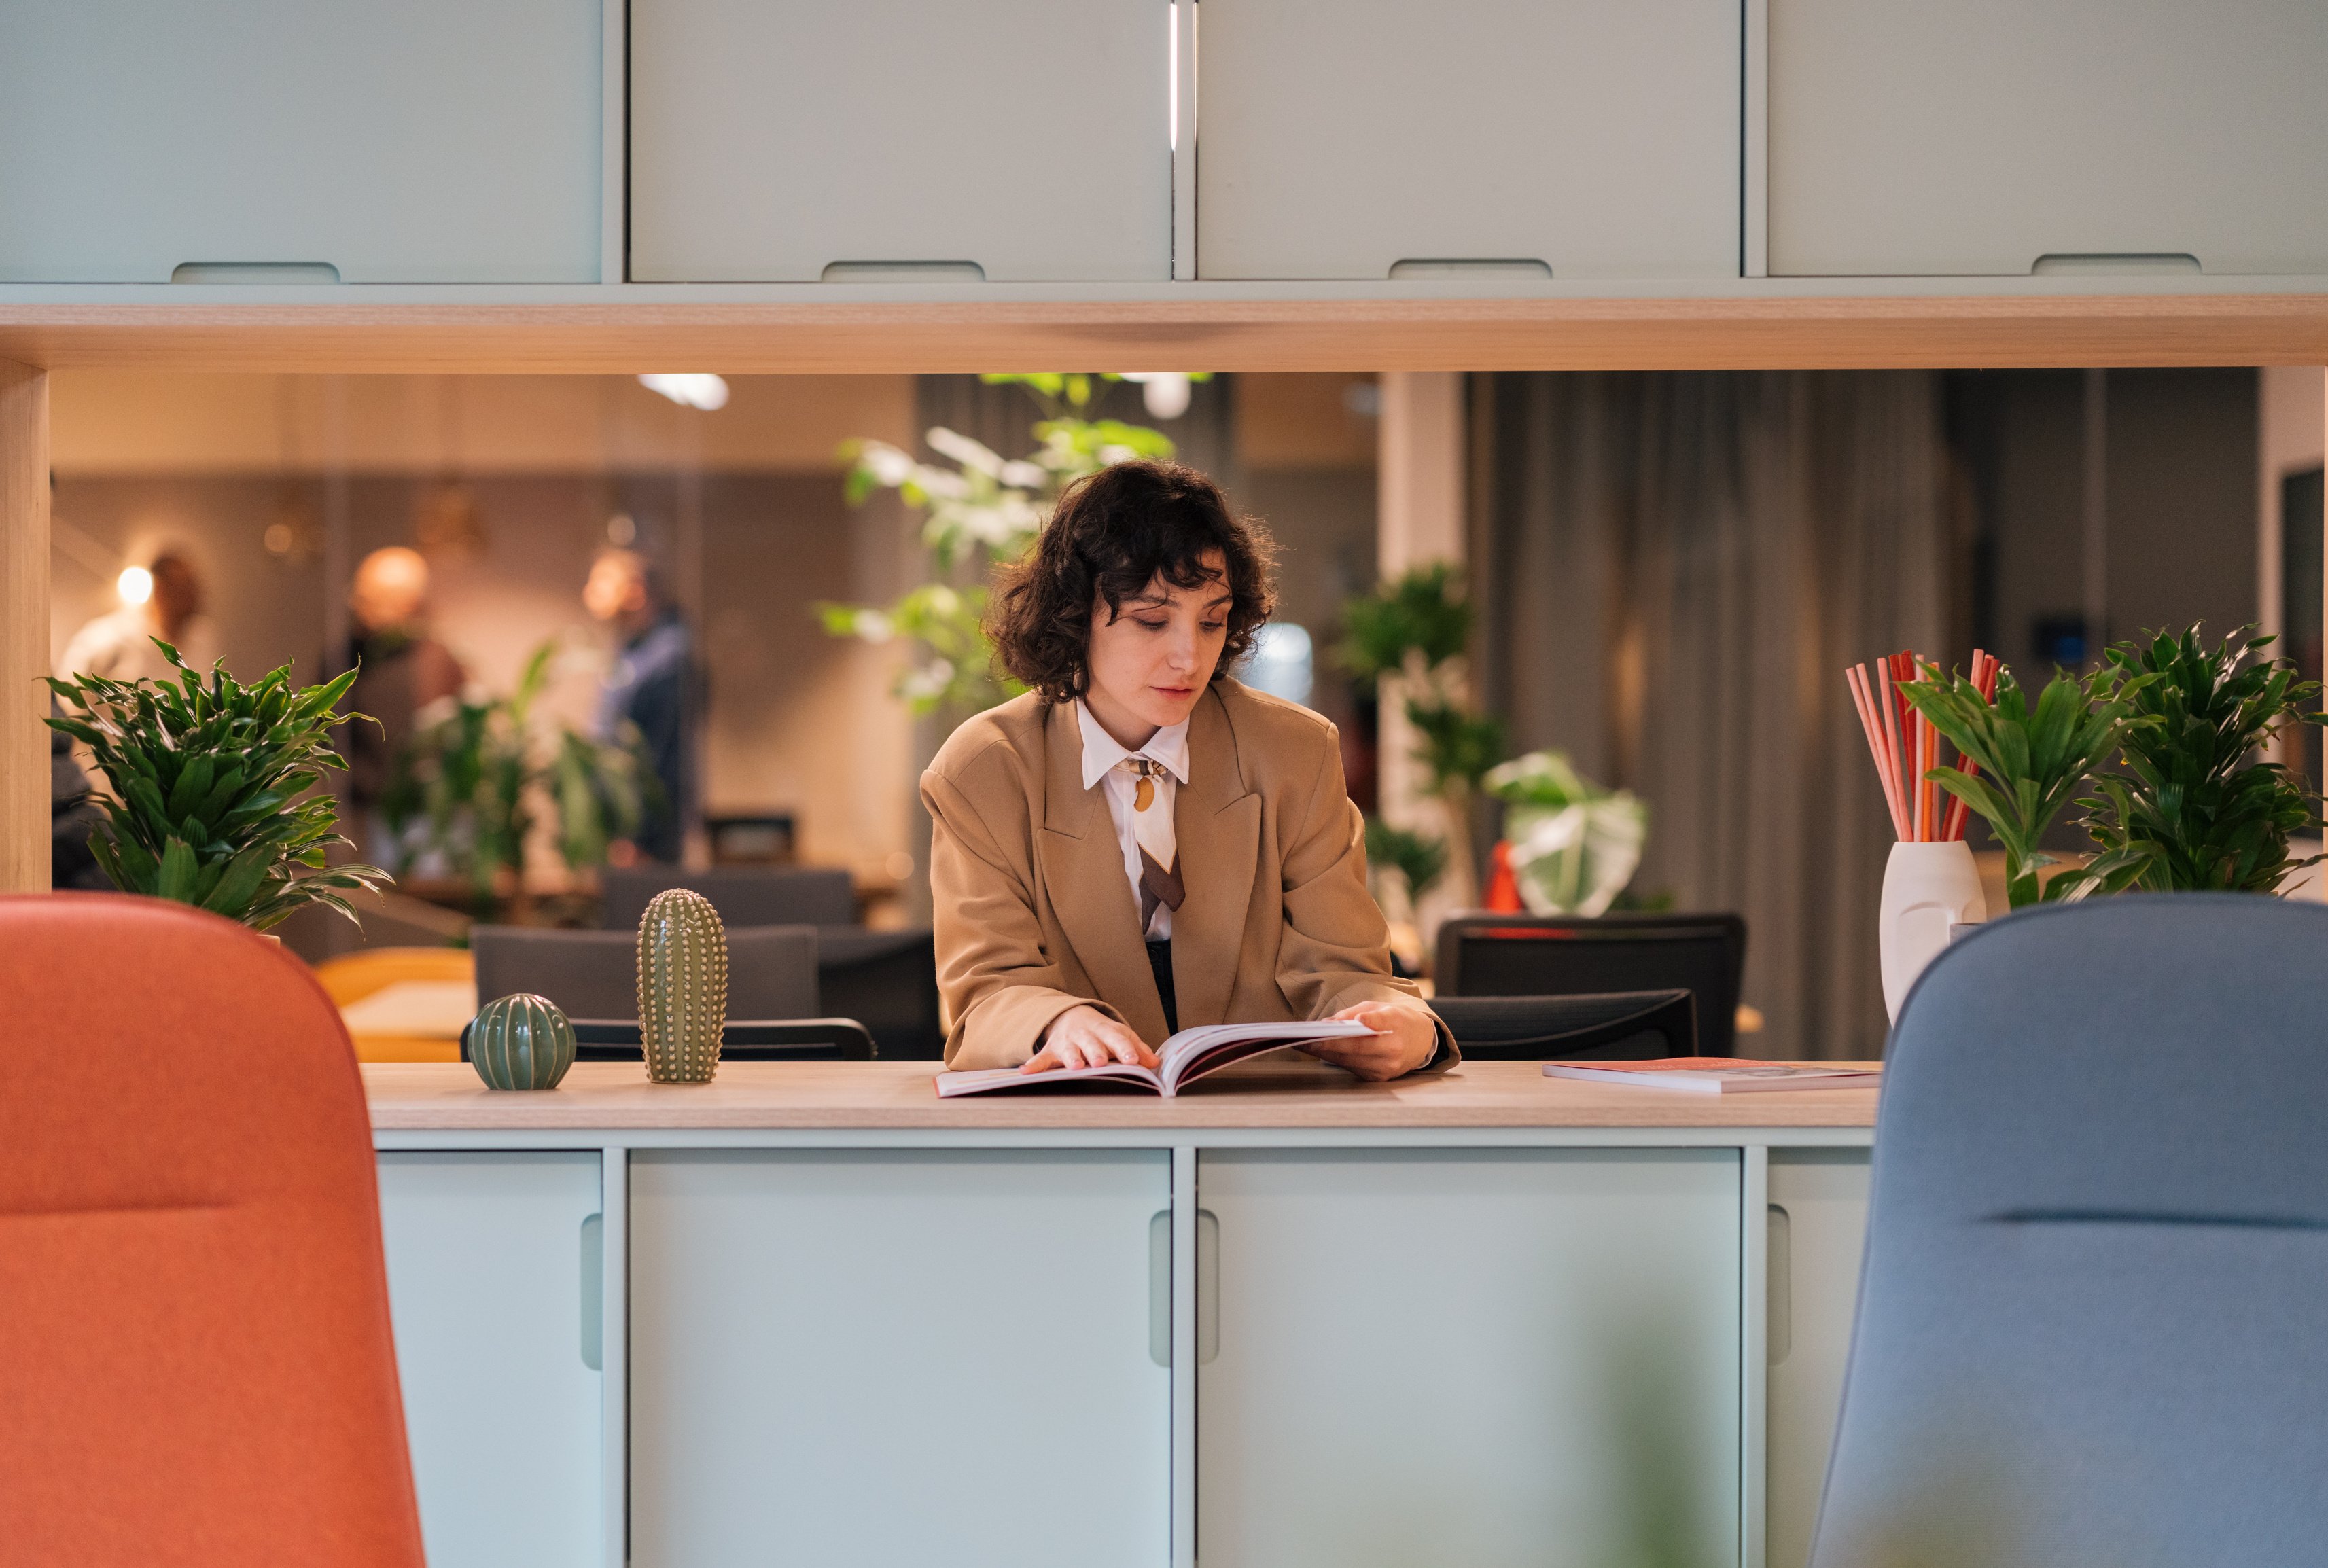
(1193, 1053)
(1116, 1077)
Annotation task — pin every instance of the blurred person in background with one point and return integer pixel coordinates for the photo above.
(163, 600)
(400, 670)
(73, 814)
(651, 684)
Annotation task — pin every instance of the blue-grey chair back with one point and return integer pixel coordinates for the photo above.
(744, 895)
(2093, 1315)
(595, 974)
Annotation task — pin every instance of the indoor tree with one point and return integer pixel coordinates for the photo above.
(1409, 639)
(981, 510)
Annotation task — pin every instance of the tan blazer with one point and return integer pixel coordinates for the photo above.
(1035, 916)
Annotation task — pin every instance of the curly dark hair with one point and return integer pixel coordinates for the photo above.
(1115, 533)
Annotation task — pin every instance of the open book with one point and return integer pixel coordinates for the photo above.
(1185, 1057)
(1719, 1074)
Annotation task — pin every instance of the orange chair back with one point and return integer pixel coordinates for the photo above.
(195, 1360)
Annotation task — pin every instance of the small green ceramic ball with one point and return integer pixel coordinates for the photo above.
(521, 1042)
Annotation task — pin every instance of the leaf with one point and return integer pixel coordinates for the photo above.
(244, 876)
(178, 871)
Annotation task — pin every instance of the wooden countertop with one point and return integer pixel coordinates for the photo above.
(429, 1096)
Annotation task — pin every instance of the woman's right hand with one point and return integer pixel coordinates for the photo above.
(1084, 1037)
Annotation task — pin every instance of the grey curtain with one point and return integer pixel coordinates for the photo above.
(1673, 570)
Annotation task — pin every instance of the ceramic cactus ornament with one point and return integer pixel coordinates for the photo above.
(682, 986)
(520, 1042)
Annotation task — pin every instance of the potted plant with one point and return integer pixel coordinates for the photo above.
(466, 793)
(2032, 758)
(210, 781)
(2192, 806)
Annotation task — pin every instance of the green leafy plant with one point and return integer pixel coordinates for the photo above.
(1420, 618)
(1419, 860)
(1414, 631)
(982, 512)
(471, 785)
(2192, 808)
(210, 781)
(1575, 845)
(2032, 759)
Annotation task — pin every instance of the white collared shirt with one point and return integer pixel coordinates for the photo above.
(1168, 747)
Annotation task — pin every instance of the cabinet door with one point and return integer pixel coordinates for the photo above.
(430, 141)
(1818, 1225)
(1339, 138)
(1496, 1358)
(771, 139)
(895, 1359)
(1982, 136)
(493, 1281)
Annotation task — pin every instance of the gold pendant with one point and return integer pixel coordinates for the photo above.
(1145, 795)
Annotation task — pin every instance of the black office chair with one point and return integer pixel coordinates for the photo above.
(595, 974)
(887, 981)
(741, 1041)
(1483, 954)
(744, 895)
(1626, 1025)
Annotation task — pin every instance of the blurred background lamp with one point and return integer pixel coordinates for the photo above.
(135, 585)
(1164, 392)
(706, 392)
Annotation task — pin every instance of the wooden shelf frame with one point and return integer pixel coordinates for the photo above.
(816, 329)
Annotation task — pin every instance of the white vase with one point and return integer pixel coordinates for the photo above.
(1929, 891)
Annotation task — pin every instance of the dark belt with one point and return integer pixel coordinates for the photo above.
(1159, 965)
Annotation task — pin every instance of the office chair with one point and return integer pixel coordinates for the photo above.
(2097, 1249)
(887, 981)
(740, 1040)
(744, 895)
(198, 1366)
(595, 974)
(1492, 954)
(1628, 1026)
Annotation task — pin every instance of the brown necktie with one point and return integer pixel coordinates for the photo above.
(1151, 828)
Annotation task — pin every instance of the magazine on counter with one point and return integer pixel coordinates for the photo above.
(1719, 1074)
(1185, 1057)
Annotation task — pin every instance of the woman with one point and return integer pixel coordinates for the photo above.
(1141, 844)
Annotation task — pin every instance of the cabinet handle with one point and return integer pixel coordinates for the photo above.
(1160, 1288)
(1208, 1287)
(1779, 1265)
(593, 1292)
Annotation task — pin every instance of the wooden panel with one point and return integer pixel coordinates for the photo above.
(1286, 1091)
(897, 1359)
(1978, 136)
(1495, 1358)
(1339, 138)
(1724, 333)
(494, 1284)
(773, 139)
(23, 628)
(1818, 1220)
(432, 140)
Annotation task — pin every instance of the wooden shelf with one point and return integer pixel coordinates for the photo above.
(1749, 324)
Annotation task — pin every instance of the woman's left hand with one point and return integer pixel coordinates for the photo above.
(1405, 1035)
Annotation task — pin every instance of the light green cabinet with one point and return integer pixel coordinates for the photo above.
(1505, 1358)
(429, 141)
(898, 1358)
(495, 1287)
